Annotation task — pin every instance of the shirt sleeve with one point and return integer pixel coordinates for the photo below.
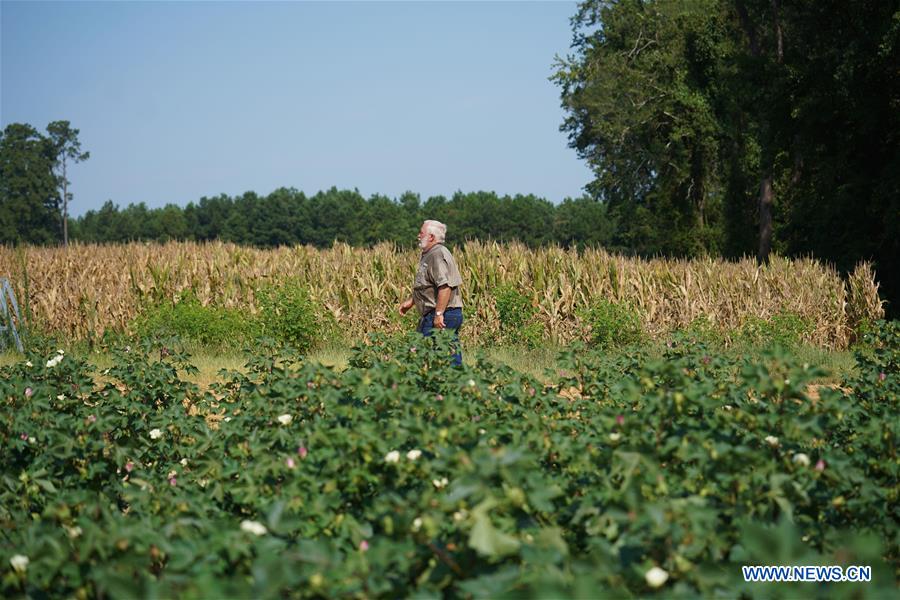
(443, 271)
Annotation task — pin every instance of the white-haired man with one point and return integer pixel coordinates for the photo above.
(436, 286)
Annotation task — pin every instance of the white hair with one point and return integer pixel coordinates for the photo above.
(437, 229)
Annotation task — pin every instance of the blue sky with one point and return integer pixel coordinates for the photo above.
(179, 100)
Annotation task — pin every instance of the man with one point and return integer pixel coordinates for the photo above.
(436, 286)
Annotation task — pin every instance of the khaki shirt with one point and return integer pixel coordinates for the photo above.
(436, 268)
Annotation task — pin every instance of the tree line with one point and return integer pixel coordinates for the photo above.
(289, 217)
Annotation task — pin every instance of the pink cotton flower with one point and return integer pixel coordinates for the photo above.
(28, 392)
(129, 466)
(290, 463)
(620, 420)
(92, 418)
(302, 451)
(172, 481)
(882, 377)
(364, 546)
(439, 397)
(820, 466)
(23, 437)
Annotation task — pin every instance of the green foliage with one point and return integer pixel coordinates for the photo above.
(654, 74)
(29, 200)
(863, 331)
(191, 321)
(702, 330)
(66, 149)
(404, 476)
(288, 314)
(516, 313)
(613, 324)
(784, 329)
(683, 109)
(289, 217)
(878, 363)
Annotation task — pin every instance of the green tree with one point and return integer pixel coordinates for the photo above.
(742, 126)
(29, 200)
(582, 222)
(838, 180)
(66, 147)
(642, 93)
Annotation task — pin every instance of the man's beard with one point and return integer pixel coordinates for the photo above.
(422, 243)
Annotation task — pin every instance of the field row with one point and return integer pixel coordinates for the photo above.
(84, 291)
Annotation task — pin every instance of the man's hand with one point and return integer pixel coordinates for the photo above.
(439, 321)
(405, 306)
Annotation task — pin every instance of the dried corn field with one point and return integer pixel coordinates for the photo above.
(86, 289)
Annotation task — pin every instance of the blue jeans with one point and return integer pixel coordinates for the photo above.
(453, 319)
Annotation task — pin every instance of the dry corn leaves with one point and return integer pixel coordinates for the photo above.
(84, 290)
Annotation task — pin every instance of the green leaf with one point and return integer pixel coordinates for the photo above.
(485, 538)
(46, 485)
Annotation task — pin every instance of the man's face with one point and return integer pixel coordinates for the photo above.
(425, 239)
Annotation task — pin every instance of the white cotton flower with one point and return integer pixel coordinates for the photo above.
(392, 456)
(471, 383)
(60, 352)
(254, 527)
(440, 483)
(155, 434)
(656, 577)
(482, 431)
(285, 419)
(31, 439)
(460, 515)
(54, 361)
(73, 532)
(28, 364)
(19, 563)
(227, 419)
(801, 459)
(413, 454)
(183, 462)
(771, 440)
(61, 397)
(417, 524)
(615, 437)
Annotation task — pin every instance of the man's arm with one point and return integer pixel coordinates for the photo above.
(443, 298)
(406, 305)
